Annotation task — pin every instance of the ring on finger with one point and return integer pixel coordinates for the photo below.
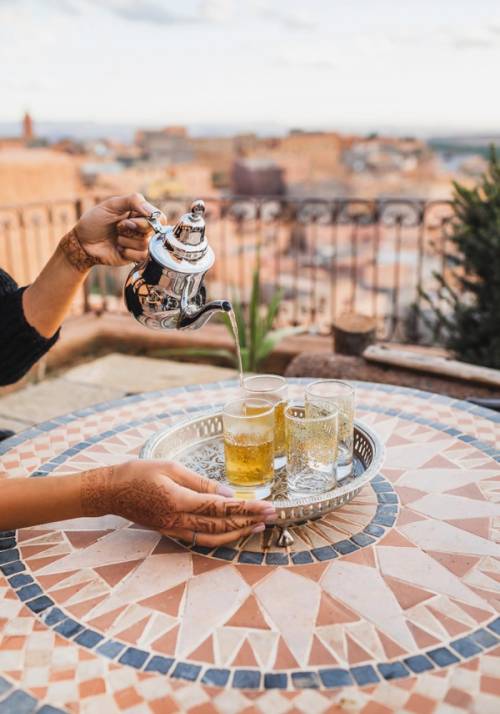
(193, 542)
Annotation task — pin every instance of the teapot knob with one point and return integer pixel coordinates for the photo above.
(198, 207)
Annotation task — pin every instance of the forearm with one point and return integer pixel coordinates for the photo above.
(28, 502)
(47, 301)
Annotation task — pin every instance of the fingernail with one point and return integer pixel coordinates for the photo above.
(223, 490)
(130, 225)
(259, 528)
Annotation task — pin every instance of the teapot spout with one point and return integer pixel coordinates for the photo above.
(196, 319)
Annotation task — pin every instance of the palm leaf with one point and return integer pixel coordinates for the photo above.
(273, 338)
(254, 315)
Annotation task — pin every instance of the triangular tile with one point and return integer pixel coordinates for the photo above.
(28, 551)
(167, 545)
(332, 612)
(439, 462)
(229, 640)
(319, 654)
(459, 565)
(312, 572)
(477, 526)
(30, 533)
(396, 440)
(115, 573)
(63, 594)
(103, 622)
(476, 613)
(82, 539)
(48, 581)
(133, 633)
(408, 495)
(249, 615)
(205, 652)
(284, 658)
(392, 475)
(406, 516)
(245, 656)
(470, 490)
(422, 637)
(253, 574)
(452, 627)
(391, 649)
(168, 601)
(355, 653)
(263, 643)
(364, 556)
(39, 563)
(202, 565)
(395, 538)
(167, 643)
(407, 595)
(82, 608)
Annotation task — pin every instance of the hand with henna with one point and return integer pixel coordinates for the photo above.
(173, 500)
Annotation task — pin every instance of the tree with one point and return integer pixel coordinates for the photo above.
(471, 290)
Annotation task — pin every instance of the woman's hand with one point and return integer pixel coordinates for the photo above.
(115, 231)
(173, 500)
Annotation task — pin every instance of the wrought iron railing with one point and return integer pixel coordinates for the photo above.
(375, 257)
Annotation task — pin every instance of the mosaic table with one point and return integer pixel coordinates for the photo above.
(389, 604)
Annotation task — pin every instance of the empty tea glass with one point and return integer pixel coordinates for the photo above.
(249, 446)
(311, 450)
(332, 394)
(272, 388)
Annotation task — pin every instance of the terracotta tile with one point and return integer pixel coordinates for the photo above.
(490, 685)
(313, 572)
(420, 705)
(319, 655)
(471, 490)
(406, 516)
(205, 652)
(92, 687)
(478, 526)
(62, 675)
(82, 608)
(355, 653)
(29, 533)
(39, 563)
(284, 658)
(332, 612)
(39, 692)
(376, 708)
(252, 574)
(249, 615)
(103, 622)
(167, 545)
(364, 556)
(394, 537)
(452, 626)
(391, 649)
(458, 698)
(48, 581)
(168, 602)
(422, 637)
(116, 572)
(133, 633)
(14, 642)
(127, 698)
(205, 708)
(167, 643)
(245, 657)
(63, 594)
(28, 551)
(459, 565)
(82, 539)
(407, 595)
(165, 705)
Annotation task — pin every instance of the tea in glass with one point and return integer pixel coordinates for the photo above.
(272, 388)
(249, 446)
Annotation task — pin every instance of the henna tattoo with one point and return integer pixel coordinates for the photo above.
(94, 491)
(144, 502)
(75, 253)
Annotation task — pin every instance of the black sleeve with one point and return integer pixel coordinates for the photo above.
(20, 344)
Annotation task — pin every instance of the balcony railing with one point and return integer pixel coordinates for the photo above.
(374, 257)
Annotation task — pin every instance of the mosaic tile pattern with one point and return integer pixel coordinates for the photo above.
(389, 604)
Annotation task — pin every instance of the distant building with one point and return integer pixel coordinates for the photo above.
(170, 145)
(28, 132)
(257, 177)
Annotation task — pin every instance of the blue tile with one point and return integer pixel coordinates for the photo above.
(216, 677)
(19, 580)
(18, 703)
(7, 543)
(393, 670)
(382, 486)
(364, 674)
(110, 649)
(418, 663)
(68, 627)
(275, 680)
(387, 498)
(495, 626)
(89, 638)
(225, 553)
(335, 677)
(387, 509)
(9, 556)
(305, 680)
(7, 534)
(374, 530)
(326, 552)
(134, 657)
(384, 521)
(49, 709)
(184, 670)
(345, 546)
(362, 539)
(4, 686)
(251, 556)
(159, 664)
(442, 657)
(40, 604)
(54, 616)
(276, 558)
(302, 557)
(484, 638)
(246, 679)
(202, 549)
(29, 592)
(466, 647)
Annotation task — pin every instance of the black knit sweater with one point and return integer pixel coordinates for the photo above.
(20, 344)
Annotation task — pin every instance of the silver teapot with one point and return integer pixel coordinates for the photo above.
(166, 291)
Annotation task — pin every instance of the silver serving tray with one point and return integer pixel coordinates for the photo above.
(197, 443)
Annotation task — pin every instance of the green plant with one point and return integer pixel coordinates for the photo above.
(256, 336)
(467, 308)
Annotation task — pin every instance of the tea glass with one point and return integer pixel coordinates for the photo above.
(248, 426)
(311, 450)
(327, 395)
(272, 388)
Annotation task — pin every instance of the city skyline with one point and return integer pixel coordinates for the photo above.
(252, 63)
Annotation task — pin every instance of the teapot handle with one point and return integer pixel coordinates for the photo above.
(154, 222)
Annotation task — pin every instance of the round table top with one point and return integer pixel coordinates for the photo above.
(388, 604)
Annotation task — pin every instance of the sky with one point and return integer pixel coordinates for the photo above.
(428, 65)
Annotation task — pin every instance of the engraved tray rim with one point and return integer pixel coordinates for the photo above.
(289, 510)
